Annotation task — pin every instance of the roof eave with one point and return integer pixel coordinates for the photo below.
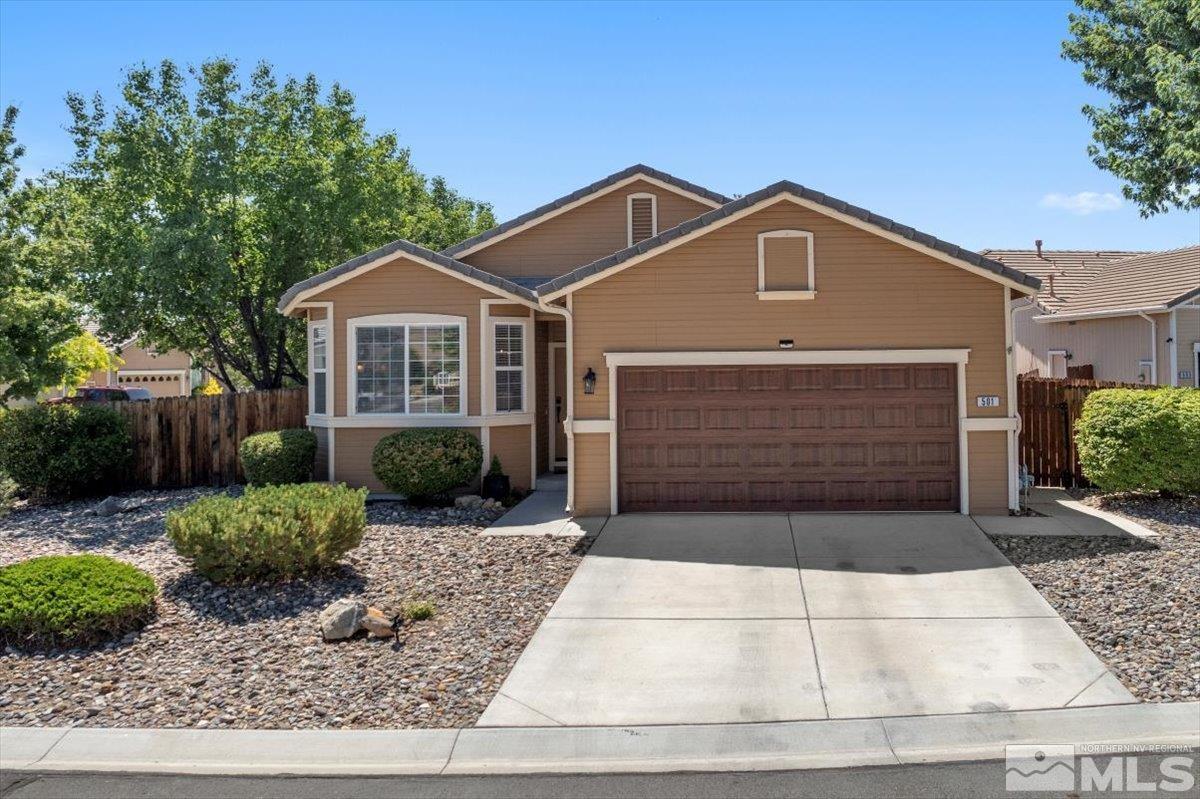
(1102, 313)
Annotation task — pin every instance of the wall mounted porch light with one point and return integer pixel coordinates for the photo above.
(589, 382)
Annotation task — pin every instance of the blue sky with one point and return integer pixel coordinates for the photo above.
(959, 119)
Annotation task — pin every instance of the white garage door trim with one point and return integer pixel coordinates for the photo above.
(614, 360)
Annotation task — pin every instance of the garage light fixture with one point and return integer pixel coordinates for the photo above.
(589, 382)
(786, 344)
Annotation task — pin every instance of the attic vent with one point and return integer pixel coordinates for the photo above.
(643, 217)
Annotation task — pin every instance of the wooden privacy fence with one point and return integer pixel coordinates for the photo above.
(190, 441)
(1049, 409)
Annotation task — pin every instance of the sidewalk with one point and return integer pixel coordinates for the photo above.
(544, 512)
(1062, 515)
(716, 747)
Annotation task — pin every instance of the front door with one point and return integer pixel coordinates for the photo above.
(558, 408)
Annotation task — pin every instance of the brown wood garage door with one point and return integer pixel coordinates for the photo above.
(797, 438)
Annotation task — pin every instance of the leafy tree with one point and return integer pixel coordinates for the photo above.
(82, 355)
(37, 253)
(207, 198)
(1146, 54)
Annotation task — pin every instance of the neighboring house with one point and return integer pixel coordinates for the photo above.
(674, 349)
(1125, 316)
(168, 374)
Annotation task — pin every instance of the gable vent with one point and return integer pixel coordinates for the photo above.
(643, 217)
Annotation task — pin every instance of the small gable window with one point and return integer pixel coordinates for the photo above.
(786, 270)
(642, 217)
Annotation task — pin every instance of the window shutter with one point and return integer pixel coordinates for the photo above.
(641, 219)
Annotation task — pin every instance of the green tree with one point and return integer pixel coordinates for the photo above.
(37, 254)
(82, 355)
(207, 198)
(1146, 54)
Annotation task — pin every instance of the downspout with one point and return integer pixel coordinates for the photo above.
(569, 422)
(1153, 348)
(1014, 458)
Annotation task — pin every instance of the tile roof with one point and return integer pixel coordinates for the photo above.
(408, 248)
(1156, 280)
(782, 187)
(603, 183)
(1071, 269)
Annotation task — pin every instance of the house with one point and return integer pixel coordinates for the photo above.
(167, 374)
(674, 349)
(1132, 317)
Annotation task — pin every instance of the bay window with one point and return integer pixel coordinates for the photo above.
(407, 364)
(510, 367)
(318, 366)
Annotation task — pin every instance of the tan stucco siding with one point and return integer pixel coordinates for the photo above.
(579, 236)
(1114, 346)
(1187, 334)
(353, 448)
(871, 294)
(591, 475)
(513, 446)
(403, 286)
(136, 357)
(987, 460)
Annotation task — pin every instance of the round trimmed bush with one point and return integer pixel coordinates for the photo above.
(281, 456)
(270, 533)
(1141, 440)
(65, 450)
(72, 600)
(427, 462)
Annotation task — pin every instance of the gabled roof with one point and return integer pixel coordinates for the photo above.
(809, 198)
(370, 260)
(536, 215)
(1071, 269)
(1156, 281)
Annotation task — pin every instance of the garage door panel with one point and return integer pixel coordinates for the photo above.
(808, 438)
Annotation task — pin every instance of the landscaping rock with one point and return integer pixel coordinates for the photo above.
(247, 656)
(377, 623)
(111, 506)
(341, 619)
(469, 501)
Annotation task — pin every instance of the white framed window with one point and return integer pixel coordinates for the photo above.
(641, 217)
(510, 354)
(410, 364)
(786, 265)
(318, 368)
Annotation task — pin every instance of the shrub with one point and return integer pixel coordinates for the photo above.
(418, 611)
(275, 532)
(8, 494)
(72, 600)
(282, 456)
(64, 450)
(427, 462)
(495, 469)
(1135, 440)
(209, 388)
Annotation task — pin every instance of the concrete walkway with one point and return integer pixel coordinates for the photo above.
(1063, 515)
(735, 618)
(544, 512)
(729, 747)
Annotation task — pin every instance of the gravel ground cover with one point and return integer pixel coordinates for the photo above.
(253, 656)
(1136, 603)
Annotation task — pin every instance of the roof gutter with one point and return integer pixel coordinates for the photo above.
(1070, 317)
(569, 422)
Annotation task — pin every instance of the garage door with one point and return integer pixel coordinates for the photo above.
(797, 438)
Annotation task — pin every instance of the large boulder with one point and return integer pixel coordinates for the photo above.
(342, 619)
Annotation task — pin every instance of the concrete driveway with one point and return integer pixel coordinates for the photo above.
(708, 618)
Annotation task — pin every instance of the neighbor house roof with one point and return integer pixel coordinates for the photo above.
(628, 174)
(1155, 281)
(815, 199)
(373, 258)
(1071, 270)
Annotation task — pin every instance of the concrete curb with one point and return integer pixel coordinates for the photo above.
(511, 750)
